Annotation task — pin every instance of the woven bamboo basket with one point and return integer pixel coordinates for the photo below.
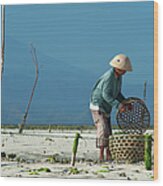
(127, 147)
(136, 120)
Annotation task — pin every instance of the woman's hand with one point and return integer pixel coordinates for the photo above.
(125, 107)
(130, 107)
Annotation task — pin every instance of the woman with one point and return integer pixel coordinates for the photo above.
(105, 95)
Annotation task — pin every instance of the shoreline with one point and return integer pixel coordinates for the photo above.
(58, 127)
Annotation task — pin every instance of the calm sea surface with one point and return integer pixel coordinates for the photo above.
(74, 43)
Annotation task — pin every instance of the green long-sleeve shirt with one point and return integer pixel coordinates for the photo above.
(107, 92)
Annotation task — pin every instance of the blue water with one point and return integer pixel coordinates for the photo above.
(74, 44)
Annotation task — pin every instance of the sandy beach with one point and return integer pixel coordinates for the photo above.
(38, 153)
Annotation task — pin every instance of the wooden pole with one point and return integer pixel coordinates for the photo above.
(2, 38)
(35, 61)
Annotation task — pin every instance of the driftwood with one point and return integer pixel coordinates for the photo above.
(35, 61)
(2, 38)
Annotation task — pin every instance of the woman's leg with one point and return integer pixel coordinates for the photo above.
(101, 153)
(99, 123)
(103, 126)
(108, 154)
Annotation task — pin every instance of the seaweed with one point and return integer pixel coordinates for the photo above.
(147, 153)
(36, 171)
(103, 171)
(73, 170)
(74, 148)
(44, 169)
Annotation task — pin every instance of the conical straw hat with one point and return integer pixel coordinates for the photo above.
(122, 62)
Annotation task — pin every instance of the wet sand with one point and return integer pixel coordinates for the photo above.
(38, 153)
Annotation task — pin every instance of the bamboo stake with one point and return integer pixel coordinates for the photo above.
(75, 148)
(49, 129)
(145, 90)
(2, 38)
(35, 61)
